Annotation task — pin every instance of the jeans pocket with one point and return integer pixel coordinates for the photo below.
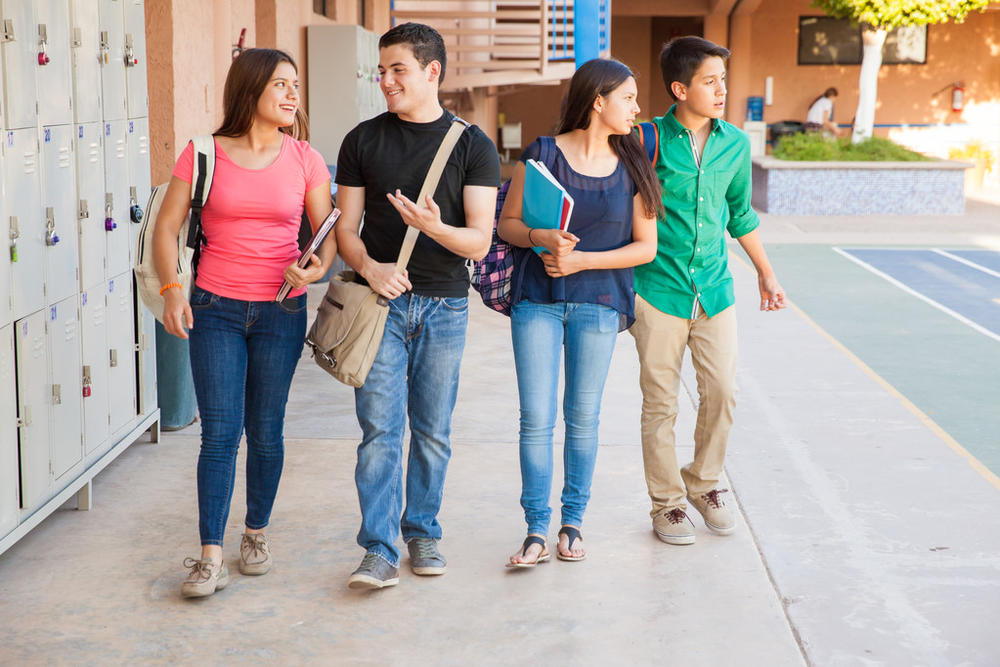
(608, 319)
(293, 304)
(201, 299)
(456, 304)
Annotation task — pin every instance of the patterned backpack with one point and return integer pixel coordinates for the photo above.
(491, 275)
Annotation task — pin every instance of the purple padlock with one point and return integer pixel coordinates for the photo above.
(110, 224)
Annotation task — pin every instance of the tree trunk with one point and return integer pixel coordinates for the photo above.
(872, 40)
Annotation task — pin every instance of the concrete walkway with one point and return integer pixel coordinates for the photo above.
(864, 538)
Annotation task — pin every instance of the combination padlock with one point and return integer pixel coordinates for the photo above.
(134, 210)
(43, 56)
(15, 234)
(86, 381)
(109, 211)
(51, 238)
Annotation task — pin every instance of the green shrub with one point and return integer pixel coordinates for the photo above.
(814, 147)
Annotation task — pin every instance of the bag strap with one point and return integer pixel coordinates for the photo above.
(203, 169)
(430, 186)
(649, 137)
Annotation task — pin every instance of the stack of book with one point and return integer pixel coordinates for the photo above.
(546, 204)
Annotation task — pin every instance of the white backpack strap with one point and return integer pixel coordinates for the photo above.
(203, 169)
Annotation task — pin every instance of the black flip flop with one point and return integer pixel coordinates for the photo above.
(573, 534)
(542, 557)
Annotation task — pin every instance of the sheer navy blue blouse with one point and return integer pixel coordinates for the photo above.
(602, 220)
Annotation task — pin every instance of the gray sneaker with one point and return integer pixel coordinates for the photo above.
(205, 578)
(255, 554)
(374, 572)
(425, 558)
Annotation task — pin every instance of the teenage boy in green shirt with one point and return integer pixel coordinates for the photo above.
(685, 297)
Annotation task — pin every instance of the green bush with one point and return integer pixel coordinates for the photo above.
(814, 147)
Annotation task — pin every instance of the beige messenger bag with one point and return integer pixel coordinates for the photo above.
(350, 321)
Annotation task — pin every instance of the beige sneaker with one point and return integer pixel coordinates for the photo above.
(255, 554)
(713, 510)
(674, 527)
(205, 578)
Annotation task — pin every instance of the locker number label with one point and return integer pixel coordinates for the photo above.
(131, 127)
(111, 286)
(80, 132)
(107, 129)
(83, 298)
(10, 139)
(48, 135)
(53, 313)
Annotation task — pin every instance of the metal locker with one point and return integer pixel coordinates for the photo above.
(115, 207)
(135, 59)
(94, 368)
(139, 175)
(20, 46)
(59, 203)
(146, 328)
(32, 409)
(85, 45)
(112, 57)
(23, 223)
(5, 276)
(121, 353)
(90, 204)
(55, 68)
(64, 386)
(9, 487)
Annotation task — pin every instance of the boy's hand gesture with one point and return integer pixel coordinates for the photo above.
(772, 296)
(426, 219)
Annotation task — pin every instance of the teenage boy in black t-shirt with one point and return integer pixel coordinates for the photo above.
(380, 170)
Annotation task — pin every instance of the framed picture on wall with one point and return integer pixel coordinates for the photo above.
(824, 40)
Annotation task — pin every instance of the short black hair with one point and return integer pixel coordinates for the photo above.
(425, 42)
(682, 56)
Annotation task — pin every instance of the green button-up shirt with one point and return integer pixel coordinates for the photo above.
(691, 264)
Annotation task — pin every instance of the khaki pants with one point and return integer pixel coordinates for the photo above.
(660, 340)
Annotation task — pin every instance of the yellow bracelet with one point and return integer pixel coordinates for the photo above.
(168, 286)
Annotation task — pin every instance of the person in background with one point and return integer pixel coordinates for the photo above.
(244, 345)
(820, 115)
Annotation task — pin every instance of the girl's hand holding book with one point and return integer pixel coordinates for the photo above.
(557, 242)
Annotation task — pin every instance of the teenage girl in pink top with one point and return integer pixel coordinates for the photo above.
(244, 345)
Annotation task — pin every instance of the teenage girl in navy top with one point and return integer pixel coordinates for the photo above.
(573, 299)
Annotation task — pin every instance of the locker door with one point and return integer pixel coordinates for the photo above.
(94, 360)
(138, 173)
(90, 204)
(146, 327)
(55, 68)
(62, 259)
(116, 197)
(19, 42)
(5, 274)
(26, 230)
(112, 47)
(135, 59)
(65, 387)
(121, 353)
(85, 42)
(32, 409)
(9, 488)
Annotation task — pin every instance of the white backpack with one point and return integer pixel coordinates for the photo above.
(188, 240)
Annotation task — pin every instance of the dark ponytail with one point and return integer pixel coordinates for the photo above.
(829, 92)
(601, 76)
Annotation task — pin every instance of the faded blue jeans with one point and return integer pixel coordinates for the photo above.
(415, 376)
(243, 355)
(584, 334)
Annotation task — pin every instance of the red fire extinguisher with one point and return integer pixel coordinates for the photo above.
(957, 96)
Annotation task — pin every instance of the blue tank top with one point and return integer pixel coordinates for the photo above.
(602, 220)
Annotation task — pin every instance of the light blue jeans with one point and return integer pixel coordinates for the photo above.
(584, 333)
(415, 376)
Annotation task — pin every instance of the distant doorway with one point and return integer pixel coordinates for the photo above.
(663, 29)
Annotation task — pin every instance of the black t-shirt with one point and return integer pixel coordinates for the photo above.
(386, 153)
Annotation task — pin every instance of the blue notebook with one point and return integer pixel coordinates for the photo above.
(545, 203)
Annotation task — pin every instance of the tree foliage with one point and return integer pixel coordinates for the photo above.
(889, 14)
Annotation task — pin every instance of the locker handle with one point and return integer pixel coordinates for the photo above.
(51, 238)
(86, 382)
(84, 211)
(113, 358)
(77, 40)
(105, 48)
(8, 30)
(56, 394)
(25, 421)
(43, 39)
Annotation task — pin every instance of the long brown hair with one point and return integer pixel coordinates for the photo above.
(601, 76)
(248, 77)
(829, 92)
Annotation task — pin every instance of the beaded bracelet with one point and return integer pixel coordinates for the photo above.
(168, 286)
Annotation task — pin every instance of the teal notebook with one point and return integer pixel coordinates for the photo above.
(545, 203)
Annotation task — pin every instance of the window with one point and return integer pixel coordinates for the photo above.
(828, 41)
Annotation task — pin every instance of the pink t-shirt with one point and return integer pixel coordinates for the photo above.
(251, 219)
